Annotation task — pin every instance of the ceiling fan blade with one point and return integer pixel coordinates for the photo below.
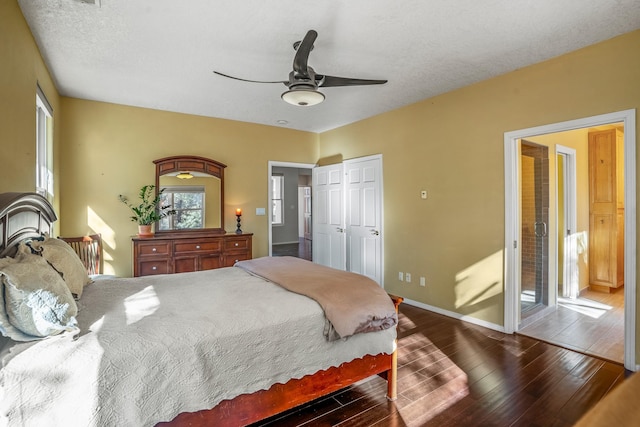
(301, 59)
(332, 81)
(245, 80)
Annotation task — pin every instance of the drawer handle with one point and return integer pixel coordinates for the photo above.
(236, 244)
(197, 246)
(154, 268)
(153, 250)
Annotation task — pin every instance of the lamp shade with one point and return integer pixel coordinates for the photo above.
(184, 175)
(303, 96)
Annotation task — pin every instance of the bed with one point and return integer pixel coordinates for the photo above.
(217, 347)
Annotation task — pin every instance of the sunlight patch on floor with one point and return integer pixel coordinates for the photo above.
(593, 309)
(584, 306)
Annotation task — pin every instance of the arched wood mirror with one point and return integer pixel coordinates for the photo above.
(194, 186)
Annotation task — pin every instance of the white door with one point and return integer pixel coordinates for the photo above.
(363, 216)
(328, 216)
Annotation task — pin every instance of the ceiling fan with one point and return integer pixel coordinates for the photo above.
(303, 81)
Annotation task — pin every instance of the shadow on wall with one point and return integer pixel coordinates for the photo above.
(98, 225)
(480, 285)
(331, 160)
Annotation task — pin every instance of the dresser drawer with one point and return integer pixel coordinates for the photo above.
(231, 259)
(151, 267)
(239, 243)
(187, 246)
(189, 252)
(153, 248)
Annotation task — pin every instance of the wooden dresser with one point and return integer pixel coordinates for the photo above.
(189, 251)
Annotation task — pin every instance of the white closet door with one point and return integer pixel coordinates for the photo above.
(328, 216)
(363, 188)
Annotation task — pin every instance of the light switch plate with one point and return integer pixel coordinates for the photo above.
(260, 211)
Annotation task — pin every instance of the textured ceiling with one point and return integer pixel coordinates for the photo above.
(161, 54)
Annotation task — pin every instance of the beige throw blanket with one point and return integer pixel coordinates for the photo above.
(352, 303)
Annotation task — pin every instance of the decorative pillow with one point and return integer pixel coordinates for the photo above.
(3, 317)
(6, 261)
(34, 302)
(63, 258)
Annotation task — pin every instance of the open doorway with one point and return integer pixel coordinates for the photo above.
(290, 217)
(534, 226)
(559, 278)
(577, 301)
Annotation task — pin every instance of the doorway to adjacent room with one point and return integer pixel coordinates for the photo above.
(290, 215)
(561, 307)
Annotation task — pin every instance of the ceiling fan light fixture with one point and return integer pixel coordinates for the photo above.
(303, 96)
(184, 175)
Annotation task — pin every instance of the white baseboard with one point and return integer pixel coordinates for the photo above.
(455, 315)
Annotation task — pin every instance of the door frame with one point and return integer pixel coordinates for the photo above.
(272, 164)
(511, 267)
(570, 204)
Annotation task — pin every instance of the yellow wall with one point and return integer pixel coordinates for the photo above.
(109, 149)
(21, 69)
(452, 146)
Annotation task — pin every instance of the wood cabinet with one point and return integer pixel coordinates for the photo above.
(606, 209)
(193, 251)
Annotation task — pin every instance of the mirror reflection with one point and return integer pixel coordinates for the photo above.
(195, 198)
(194, 187)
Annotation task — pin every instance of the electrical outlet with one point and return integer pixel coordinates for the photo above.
(423, 282)
(400, 276)
(407, 277)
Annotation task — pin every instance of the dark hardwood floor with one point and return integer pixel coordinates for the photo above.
(453, 373)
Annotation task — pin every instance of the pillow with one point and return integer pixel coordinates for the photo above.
(64, 259)
(35, 301)
(6, 261)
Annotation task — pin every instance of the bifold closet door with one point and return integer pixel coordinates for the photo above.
(363, 216)
(328, 216)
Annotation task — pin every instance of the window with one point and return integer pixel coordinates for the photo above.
(189, 205)
(44, 141)
(277, 197)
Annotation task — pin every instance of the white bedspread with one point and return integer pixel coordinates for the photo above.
(153, 347)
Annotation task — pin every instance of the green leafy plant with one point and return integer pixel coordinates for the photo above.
(150, 209)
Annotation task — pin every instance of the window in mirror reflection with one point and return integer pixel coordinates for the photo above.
(189, 205)
(277, 191)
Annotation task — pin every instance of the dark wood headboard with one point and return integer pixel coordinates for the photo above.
(23, 216)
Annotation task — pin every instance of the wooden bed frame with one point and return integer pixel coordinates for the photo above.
(23, 216)
(29, 215)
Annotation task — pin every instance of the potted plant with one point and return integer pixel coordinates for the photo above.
(149, 210)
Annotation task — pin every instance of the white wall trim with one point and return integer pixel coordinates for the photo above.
(455, 315)
(511, 268)
(271, 165)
